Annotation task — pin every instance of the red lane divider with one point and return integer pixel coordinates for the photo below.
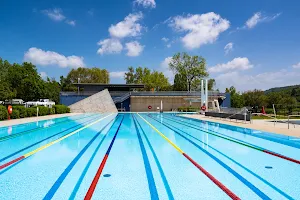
(93, 185)
(11, 162)
(282, 156)
(213, 179)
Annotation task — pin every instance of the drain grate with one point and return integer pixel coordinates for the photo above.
(268, 167)
(107, 175)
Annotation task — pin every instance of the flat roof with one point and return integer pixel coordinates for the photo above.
(110, 85)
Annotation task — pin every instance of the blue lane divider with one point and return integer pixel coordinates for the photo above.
(151, 181)
(62, 177)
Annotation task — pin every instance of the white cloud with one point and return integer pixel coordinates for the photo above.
(55, 14)
(296, 66)
(169, 45)
(109, 46)
(71, 22)
(146, 3)
(165, 69)
(44, 58)
(128, 27)
(165, 39)
(134, 48)
(201, 29)
(228, 47)
(259, 81)
(43, 75)
(236, 64)
(258, 18)
(118, 74)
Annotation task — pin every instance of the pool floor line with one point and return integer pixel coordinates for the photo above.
(206, 173)
(49, 144)
(8, 137)
(162, 174)
(237, 163)
(220, 162)
(23, 149)
(150, 178)
(242, 143)
(67, 170)
(94, 183)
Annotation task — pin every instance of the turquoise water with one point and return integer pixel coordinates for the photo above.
(141, 163)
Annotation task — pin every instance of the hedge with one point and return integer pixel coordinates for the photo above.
(30, 112)
(3, 113)
(60, 109)
(22, 111)
(15, 114)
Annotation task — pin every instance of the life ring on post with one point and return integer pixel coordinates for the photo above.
(203, 108)
(149, 107)
(9, 110)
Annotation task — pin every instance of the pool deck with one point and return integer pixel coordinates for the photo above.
(262, 125)
(34, 119)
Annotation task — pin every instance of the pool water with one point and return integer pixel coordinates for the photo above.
(145, 156)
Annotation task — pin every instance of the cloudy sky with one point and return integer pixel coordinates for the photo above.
(248, 44)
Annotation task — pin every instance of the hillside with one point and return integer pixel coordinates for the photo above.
(283, 89)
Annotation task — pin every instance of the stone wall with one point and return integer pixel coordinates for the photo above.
(99, 102)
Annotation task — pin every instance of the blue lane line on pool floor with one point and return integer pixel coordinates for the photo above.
(151, 181)
(76, 188)
(19, 151)
(62, 177)
(237, 175)
(161, 171)
(237, 163)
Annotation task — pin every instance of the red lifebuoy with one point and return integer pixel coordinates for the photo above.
(9, 109)
(149, 107)
(203, 108)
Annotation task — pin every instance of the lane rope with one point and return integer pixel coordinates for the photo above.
(50, 144)
(93, 185)
(23, 149)
(206, 173)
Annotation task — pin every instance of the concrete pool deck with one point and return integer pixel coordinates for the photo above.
(262, 125)
(34, 119)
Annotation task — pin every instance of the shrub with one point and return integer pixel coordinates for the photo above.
(51, 111)
(30, 112)
(60, 109)
(15, 114)
(21, 109)
(3, 113)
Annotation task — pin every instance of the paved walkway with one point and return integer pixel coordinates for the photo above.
(34, 119)
(262, 125)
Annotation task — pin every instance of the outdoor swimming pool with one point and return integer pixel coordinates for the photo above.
(145, 156)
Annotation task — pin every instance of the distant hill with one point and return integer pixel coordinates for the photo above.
(283, 89)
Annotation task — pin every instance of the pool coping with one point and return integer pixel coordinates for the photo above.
(13, 122)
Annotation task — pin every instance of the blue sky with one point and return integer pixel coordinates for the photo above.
(248, 44)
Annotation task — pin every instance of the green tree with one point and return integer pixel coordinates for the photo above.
(255, 98)
(236, 99)
(180, 83)
(191, 67)
(88, 75)
(152, 80)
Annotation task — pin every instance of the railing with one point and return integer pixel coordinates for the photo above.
(122, 98)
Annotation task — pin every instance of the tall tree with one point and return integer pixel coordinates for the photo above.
(191, 67)
(236, 99)
(180, 83)
(152, 80)
(88, 75)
